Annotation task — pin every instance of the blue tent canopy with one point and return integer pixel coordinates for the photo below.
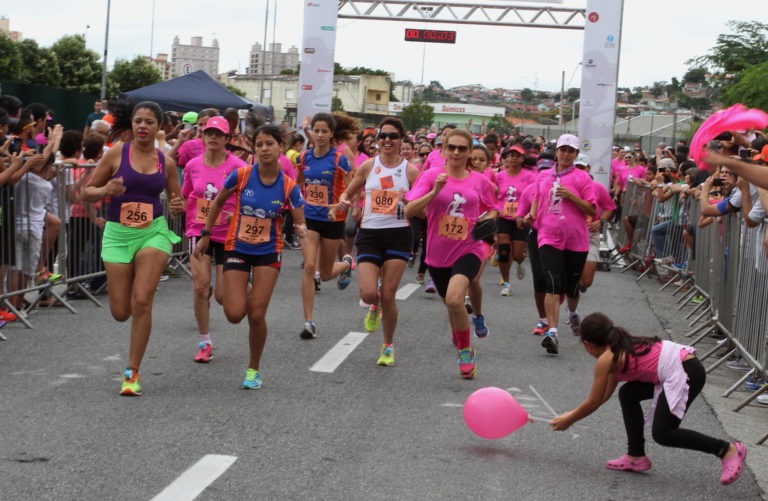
(192, 92)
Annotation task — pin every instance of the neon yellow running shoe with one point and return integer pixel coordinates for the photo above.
(252, 380)
(373, 318)
(386, 356)
(131, 383)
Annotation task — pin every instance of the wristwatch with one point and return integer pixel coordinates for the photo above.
(204, 233)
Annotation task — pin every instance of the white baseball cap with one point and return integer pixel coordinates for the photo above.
(582, 159)
(568, 140)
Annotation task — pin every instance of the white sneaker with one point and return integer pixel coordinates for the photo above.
(762, 399)
(505, 291)
(520, 272)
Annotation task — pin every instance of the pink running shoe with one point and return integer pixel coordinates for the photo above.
(733, 465)
(540, 329)
(205, 354)
(626, 463)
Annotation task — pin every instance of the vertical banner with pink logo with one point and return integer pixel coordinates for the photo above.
(317, 55)
(599, 75)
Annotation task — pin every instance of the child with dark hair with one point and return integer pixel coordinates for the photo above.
(668, 373)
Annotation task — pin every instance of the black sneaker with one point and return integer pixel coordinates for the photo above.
(550, 342)
(309, 331)
(317, 283)
(345, 277)
(468, 305)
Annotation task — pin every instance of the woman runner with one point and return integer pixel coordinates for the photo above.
(254, 241)
(324, 174)
(454, 199)
(384, 239)
(136, 241)
(204, 177)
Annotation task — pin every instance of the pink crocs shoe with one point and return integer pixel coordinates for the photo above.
(626, 463)
(733, 465)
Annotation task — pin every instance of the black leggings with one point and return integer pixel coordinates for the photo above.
(537, 273)
(562, 270)
(419, 226)
(666, 429)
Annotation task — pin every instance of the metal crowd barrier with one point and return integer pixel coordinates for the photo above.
(75, 250)
(640, 205)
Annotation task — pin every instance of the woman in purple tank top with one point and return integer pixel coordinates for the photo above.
(136, 242)
(668, 373)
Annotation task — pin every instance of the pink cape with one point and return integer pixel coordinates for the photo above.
(736, 117)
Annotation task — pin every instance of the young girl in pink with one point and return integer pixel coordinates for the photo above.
(454, 200)
(668, 373)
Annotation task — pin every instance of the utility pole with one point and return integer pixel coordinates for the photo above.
(104, 63)
(562, 98)
(264, 55)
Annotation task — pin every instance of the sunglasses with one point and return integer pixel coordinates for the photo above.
(423, 154)
(457, 147)
(628, 157)
(388, 135)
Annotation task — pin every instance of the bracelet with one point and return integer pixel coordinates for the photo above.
(204, 233)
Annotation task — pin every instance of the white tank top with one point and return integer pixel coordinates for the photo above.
(385, 188)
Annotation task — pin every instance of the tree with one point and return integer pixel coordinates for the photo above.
(235, 90)
(40, 65)
(79, 67)
(10, 59)
(695, 75)
(417, 114)
(526, 94)
(734, 52)
(499, 124)
(336, 104)
(573, 94)
(750, 88)
(129, 75)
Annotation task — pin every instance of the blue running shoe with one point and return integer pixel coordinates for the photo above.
(481, 330)
(252, 380)
(345, 277)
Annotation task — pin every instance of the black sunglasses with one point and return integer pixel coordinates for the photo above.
(423, 154)
(388, 135)
(457, 147)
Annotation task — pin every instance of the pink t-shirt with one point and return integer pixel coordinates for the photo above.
(616, 165)
(561, 223)
(511, 188)
(638, 171)
(604, 201)
(200, 187)
(525, 202)
(459, 204)
(289, 169)
(434, 159)
(189, 150)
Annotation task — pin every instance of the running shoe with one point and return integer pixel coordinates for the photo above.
(7, 316)
(420, 279)
(386, 356)
(625, 249)
(540, 329)
(697, 299)
(550, 342)
(501, 281)
(205, 354)
(495, 259)
(430, 288)
(762, 399)
(481, 330)
(362, 304)
(345, 277)
(754, 384)
(309, 331)
(505, 290)
(373, 318)
(739, 364)
(252, 380)
(131, 383)
(46, 277)
(317, 281)
(164, 277)
(520, 274)
(468, 305)
(466, 361)
(411, 260)
(575, 324)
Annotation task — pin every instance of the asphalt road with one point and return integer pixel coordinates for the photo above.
(360, 432)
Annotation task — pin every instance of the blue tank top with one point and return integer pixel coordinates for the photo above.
(145, 188)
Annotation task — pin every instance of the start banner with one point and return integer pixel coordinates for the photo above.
(317, 56)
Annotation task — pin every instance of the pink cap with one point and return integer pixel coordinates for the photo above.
(219, 123)
(431, 135)
(41, 139)
(568, 140)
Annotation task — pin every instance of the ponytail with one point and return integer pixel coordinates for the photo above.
(598, 329)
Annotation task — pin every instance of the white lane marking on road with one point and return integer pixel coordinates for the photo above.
(516, 390)
(339, 352)
(525, 397)
(451, 404)
(72, 376)
(112, 358)
(554, 414)
(527, 405)
(194, 481)
(406, 290)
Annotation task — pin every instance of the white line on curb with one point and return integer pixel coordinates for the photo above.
(193, 482)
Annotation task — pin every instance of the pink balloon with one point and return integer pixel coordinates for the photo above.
(737, 117)
(493, 413)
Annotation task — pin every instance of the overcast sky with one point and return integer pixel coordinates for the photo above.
(658, 37)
